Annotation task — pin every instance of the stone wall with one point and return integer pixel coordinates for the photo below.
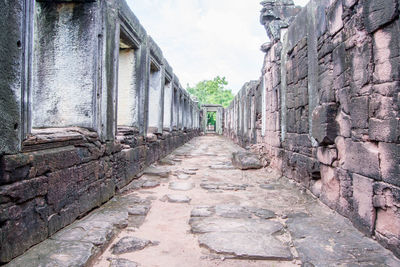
(329, 111)
(69, 70)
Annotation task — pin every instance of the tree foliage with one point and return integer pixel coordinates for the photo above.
(212, 92)
(211, 118)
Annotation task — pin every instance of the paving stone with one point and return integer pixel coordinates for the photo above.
(188, 172)
(56, 253)
(122, 263)
(181, 186)
(222, 166)
(138, 210)
(130, 244)
(153, 171)
(166, 162)
(323, 243)
(264, 213)
(246, 161)
(177, 198)
(183, 176)
(246, 245)
(232, 211)
(207, 225)
(223, 186)
(205, 211)
(267, 187)
(150, 184)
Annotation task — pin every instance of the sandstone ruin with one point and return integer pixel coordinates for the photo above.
(88, 102)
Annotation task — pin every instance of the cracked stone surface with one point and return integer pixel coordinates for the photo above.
(235, 218)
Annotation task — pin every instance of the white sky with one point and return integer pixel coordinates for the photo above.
(205, 38)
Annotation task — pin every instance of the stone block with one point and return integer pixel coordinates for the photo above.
(382, 107)
(20, 192)
(388, 230)
(344, 123)
(364, 216)
(64, 185)
(327, 155)
(330, 190)
(345, 205)
(64, 217)
(387, 71)
(360, 57)
(246, 161)
(387, 89)
(335, 22)
(359, 112)
(324, 126)
(378, 13)
(361, 158)
(383, 130)
(27, 227)
(390, 162)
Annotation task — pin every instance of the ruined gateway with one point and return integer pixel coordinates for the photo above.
(88, 103)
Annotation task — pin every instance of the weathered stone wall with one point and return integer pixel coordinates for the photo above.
(63, 150)
(329, 116)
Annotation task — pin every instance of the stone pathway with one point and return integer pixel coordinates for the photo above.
(196, 209)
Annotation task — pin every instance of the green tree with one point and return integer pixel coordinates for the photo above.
(212, 92)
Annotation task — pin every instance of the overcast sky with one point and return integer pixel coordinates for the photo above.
(205, 38)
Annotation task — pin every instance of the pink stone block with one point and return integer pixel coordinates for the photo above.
(363, 201)
(388, 222)
(330, 190)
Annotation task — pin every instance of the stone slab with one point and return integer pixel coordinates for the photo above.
(130, 244)
(177, 198)
(153, 171)
(254, 246)
(181, 186)
(57, 253)
(122, 263)
(207, 225)
(245, 161)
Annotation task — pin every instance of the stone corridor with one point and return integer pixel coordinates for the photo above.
(193, 208)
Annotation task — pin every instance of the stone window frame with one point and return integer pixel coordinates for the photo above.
(129, 34)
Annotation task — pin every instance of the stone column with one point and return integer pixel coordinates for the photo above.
(156, 89)
(181, 109)
(175, 108)
(168, 105)
(15, 73)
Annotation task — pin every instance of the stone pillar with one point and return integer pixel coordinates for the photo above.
(175, 108)
(15, 73)
(168, 99)
(181, 109)
(142, 85)
(156, 89)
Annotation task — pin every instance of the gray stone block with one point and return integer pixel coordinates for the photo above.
(324, 126)
(379, 12)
